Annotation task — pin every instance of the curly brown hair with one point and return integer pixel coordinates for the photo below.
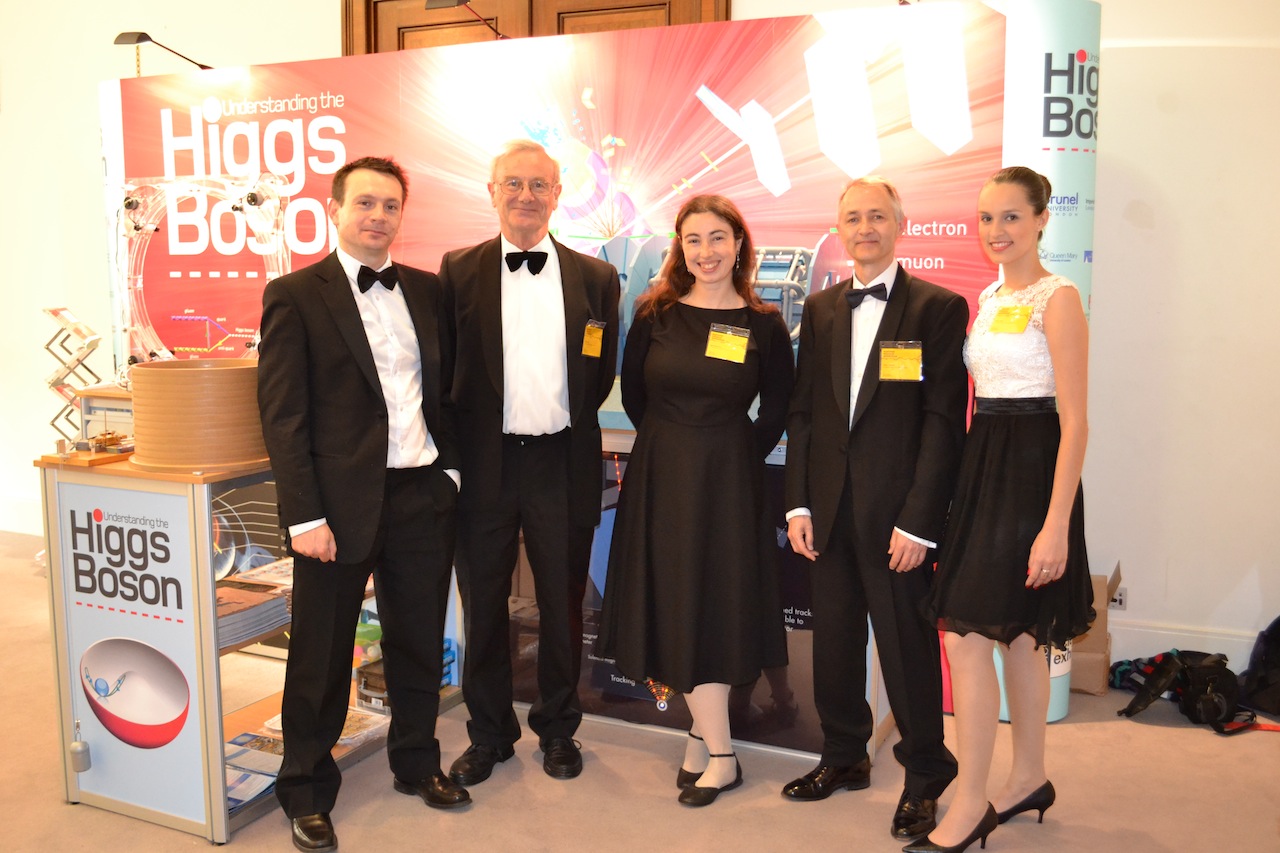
(674, 279)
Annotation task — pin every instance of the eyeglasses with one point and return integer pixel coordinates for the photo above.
(514, 186)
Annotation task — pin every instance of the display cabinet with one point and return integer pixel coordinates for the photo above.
(133, 558)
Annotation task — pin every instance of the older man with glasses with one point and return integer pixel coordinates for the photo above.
(535, 327)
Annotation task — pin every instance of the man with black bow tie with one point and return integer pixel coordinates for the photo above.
(874, 435)
(536, 330)
(353, 388)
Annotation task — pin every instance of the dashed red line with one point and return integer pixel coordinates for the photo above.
(1074, 150)
(124, 612)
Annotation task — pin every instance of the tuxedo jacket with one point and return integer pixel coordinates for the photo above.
(472, 282)
(324, 416)
(903, 450)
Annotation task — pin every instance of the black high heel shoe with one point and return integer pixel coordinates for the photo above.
(982, 830)
(685, 778)
(1038, 800)
(697, 796)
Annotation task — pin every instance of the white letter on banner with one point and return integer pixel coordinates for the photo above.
(171, 145)
(754, 126)
(251, 165)
(196, 219)
(225, 209)
(319, 222)
(937, 84)
(842, 110)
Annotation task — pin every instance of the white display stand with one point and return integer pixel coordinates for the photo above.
(132, 592)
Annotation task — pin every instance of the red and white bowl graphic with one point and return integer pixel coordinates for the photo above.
(138, 693)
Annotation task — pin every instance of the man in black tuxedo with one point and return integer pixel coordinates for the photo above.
(874, 436)
(536, 330)
(353, 385)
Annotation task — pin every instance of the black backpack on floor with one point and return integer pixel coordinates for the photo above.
(1260, 682)
(1206, 691)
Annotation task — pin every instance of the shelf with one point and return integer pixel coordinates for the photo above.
(265, 635)
(251, 717)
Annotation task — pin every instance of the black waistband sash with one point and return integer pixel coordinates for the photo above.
(1015, 405)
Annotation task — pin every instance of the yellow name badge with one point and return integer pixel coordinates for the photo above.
(901, 361)
(728, 343)
(1012, 319)
(593, 339)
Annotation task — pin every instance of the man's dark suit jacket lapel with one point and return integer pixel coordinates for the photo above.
(335, 290)
(841, 347)
(576, 314)
(888, 331)
(490, 303)
(423, 317)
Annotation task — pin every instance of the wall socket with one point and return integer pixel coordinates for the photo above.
(1120, 600)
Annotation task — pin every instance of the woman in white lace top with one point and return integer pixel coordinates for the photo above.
(1013, 568)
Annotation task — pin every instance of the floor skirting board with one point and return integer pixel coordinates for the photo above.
(1144, 639)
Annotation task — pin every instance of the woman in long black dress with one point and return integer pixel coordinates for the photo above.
(692, 596)
(1013, 568)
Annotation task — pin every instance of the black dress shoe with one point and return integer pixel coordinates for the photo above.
(695, 795)
(825, 780)
(475, 765)
(982, 830)
(437, 791)
(915, 817)
(561, 757)
(313, 832)
(1038, 800)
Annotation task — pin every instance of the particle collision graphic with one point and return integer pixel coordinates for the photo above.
(135, 691)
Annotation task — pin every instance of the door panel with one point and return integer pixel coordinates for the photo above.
(375, 26)
(563, 17)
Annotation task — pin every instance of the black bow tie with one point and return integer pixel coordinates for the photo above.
(537, 260)
(855, 295)
(366, 277)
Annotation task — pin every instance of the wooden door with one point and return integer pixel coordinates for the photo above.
(377, 26)
(571, 17)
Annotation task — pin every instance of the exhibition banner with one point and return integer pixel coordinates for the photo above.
(219, 180)
(1051, 120)
(131, 627)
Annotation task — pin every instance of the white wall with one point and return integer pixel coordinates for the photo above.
(1181, 478)
(52, 228)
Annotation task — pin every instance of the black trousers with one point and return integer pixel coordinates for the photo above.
(850, 580)
(411, 563)
(535, 499)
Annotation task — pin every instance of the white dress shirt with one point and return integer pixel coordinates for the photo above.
(535, 385)
(866, 322)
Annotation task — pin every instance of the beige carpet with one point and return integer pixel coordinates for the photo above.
(1155, 783)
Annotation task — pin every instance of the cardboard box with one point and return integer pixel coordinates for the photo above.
(1090, 670)
(1091, 652)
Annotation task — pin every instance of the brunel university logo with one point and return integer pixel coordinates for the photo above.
(1071, 100)
(123, 559)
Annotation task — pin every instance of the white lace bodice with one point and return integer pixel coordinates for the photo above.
(1006, 364)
